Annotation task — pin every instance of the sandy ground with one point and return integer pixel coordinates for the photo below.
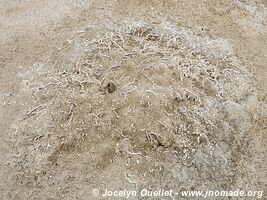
(130, 95)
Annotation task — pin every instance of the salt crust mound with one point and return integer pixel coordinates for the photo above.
(157, 90)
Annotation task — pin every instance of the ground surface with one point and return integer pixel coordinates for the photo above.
(130, 95)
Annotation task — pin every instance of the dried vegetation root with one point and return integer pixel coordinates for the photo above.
(150, 88)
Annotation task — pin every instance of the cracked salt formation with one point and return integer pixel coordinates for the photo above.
(173, 97)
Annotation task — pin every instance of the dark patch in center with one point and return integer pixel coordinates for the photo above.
(111, 87)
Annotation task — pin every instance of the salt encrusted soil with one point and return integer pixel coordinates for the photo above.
(108, 95)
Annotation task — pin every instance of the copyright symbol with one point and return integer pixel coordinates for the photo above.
(95, 192)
